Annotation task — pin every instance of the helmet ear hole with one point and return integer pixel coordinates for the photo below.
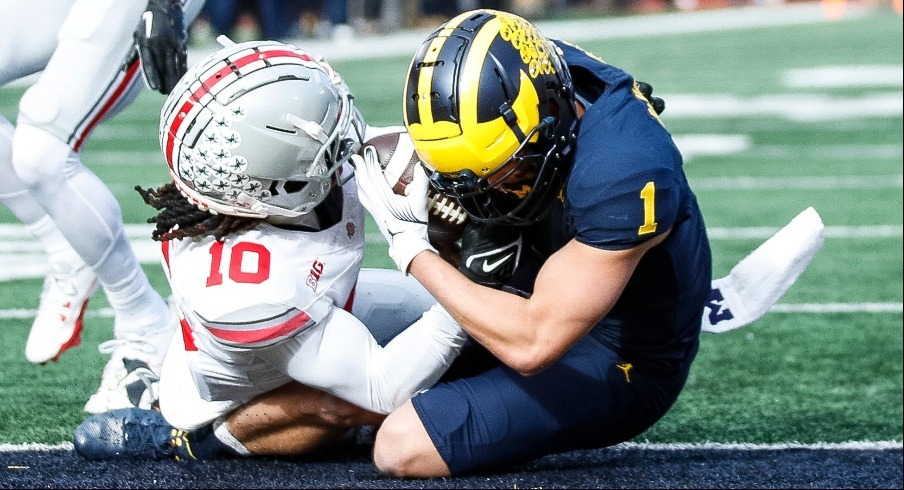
(280, 187)
(554, 109)
(292, 186)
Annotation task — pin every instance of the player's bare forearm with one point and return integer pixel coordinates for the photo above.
(526, 334)
(575, 288)
(494, 318)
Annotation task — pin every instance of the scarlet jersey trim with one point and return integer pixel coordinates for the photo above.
(239, 334)
(187, 340)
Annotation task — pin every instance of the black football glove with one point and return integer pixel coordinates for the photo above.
(490, 253)
(647, 90)
(160, 38)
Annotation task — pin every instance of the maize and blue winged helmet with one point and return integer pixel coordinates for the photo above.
(489, 105)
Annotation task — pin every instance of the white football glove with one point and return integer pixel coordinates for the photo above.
(402, 218)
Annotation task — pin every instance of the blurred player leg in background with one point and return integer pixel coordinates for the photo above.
(69, 282)
(74, 41)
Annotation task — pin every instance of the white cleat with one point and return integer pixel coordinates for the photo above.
(131, 376)
(58, 323)
(128, 380)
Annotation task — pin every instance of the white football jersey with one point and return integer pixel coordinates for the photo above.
(236, 293)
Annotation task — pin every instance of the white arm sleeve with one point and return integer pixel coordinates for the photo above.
(347, 361)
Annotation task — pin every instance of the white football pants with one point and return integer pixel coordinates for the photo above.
(341, 356)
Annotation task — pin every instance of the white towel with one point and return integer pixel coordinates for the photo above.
(760, 279)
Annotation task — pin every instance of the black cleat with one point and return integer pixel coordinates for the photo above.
(130, 433)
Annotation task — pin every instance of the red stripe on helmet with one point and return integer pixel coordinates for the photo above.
(212, 81)
(174, 126)
(208, 85)
(285, 52)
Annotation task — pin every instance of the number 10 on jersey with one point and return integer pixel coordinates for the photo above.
(241, 253)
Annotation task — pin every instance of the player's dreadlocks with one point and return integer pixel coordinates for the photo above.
(179, 218)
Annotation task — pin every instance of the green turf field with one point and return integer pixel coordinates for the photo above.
(826, 376)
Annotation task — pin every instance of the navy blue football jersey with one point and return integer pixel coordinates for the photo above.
(626, 186)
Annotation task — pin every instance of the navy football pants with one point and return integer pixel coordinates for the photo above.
(587, 399)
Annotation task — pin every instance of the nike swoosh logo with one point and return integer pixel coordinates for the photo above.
(491, 266)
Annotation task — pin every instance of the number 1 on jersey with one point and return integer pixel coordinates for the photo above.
(648, 194)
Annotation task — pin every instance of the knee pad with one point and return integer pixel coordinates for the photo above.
(39, 158)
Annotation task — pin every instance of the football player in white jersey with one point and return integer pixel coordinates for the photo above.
(91, 70)
(263, 240)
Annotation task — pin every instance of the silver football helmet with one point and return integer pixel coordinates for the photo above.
(258, 129)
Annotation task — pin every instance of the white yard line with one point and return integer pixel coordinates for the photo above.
(826, 152)
(845, 76)
(816, 182)
(807, 107)
(762, 232)
(646, 446)
(21, 257)
(746, 446)
(838, 308)
(693, 145)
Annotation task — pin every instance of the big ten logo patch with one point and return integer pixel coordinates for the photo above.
(315, 274)
(532, 47)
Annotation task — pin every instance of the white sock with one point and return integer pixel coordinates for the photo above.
(221, 432)
(138, 307)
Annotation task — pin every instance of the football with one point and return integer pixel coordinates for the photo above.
(445, 224)
(395, 152)
(446, 219)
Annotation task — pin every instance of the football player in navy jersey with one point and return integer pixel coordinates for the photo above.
(584, 268)
(562, 150)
